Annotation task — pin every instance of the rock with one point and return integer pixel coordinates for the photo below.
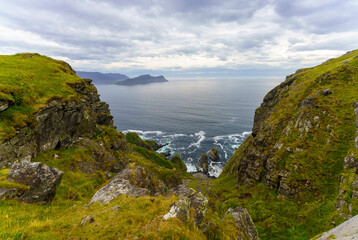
(116, 208)
(350, 162)
(41, 179)
(347, 231)
(88, 219)
(134, 182)
(204, 162)
(6, 193)
(199, 204)
(244, 224)
(326, 92)
(3, 105)
(213, 154)
(179, 162)
(172, 213)
(167, 153)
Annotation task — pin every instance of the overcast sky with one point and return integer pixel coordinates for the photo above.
(182, 37)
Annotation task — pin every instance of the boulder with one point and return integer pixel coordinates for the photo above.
(41, 179)
(244, 224)
(134, 181)
(326, 92)
(204, 162)
(213, 154)
(88, 219)
(181, 209)
(3, 105)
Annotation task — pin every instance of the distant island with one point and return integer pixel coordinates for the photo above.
(142, 79)
(119, 79)
(102, 78)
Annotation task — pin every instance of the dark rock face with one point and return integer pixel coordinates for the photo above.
(213, 154)
(41, 179)
(244, 224)
(204, 162)
(58, 125)
(133, 181)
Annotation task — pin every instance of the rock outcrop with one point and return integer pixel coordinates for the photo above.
(41, 179)
(134, 181)
(58, 125)
(204, 163)
(213, 154)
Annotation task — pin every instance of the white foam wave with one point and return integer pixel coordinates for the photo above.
(201, 137)
(144, 133)
(190, 167)
(215, 169)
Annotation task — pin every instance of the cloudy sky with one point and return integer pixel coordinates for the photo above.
(182, 37)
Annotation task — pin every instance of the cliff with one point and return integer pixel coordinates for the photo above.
(302, 155)
(36, 121)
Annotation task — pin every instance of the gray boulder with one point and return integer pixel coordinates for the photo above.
(213, 154)
(133, 181)
(244, 224)
(41, 179)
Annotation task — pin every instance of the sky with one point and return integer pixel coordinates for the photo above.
(182, 38)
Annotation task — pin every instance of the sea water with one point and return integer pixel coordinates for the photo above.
(191, 115)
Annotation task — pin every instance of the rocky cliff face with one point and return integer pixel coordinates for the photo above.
(58, 125)
(303, 146)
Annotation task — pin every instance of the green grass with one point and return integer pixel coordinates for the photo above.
(28, 82)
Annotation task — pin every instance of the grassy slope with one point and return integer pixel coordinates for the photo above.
(319, 163)
(28, 81)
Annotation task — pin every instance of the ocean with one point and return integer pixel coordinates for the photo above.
(191, 115)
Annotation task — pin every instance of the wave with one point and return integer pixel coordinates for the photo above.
(201, 137)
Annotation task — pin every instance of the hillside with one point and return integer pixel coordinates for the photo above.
(142, 79)
(297, 172)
